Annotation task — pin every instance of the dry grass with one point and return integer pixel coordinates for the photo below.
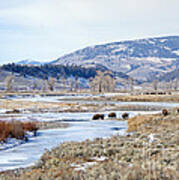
(149, 98)
(13, 105)
(30, 126)
(151, 123)
(137, 98)
(12, 129)
(15, 129)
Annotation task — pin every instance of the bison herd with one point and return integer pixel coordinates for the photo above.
(125, 115)
(110, 115)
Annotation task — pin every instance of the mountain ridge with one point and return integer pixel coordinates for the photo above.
(143, 59)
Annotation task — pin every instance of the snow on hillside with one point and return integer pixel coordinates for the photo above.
(130, 56)
(29, 62)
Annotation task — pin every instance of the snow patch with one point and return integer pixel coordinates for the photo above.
(82, 167)
(10, 143)
(120, 48)
(150, 41)
(163, 40)
(176, 52)
(167, 48)
(155, 59)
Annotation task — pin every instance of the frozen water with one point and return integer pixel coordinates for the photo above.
(28, 153)
(75, 97)
(81, 128)
(75, 116)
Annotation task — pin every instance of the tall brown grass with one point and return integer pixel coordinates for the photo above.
(16, 129)
(30, 126)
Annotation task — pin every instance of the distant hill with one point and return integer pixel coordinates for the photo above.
(170, 76)
(35, 73)
(143, 59)
(30, 62)
(57, 71)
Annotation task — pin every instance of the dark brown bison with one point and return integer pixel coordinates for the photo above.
(14, 111)
(112, 115)
(98, 116)
(164, 112)
(125, 115)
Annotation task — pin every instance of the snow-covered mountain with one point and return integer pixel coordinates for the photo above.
(143, 59)
(29, 62)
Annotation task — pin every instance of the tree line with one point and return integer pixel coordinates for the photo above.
(47, 70)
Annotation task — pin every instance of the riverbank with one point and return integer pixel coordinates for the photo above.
(15, 106)
(134, 98)
(149, 152)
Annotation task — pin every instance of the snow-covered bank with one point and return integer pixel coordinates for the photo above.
(84, 99)
(12, 142)
(28, 153)
(81, 127)
(75, 116)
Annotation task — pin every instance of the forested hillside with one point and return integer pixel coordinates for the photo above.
(56, 71)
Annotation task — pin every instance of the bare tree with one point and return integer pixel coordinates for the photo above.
(76, 83)
(155, 85)
(92, 85)
(70, 84)
(43, 85)
(167, 85)
(99, 78)
(103, 82)
(63, 81)
(107, 84)
(170, 85)
(9, 82)
(175, 84)
(51, 83)
(124, 83)
(131, 83)
(35, 85)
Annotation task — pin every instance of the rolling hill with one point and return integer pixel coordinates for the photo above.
(143, 59)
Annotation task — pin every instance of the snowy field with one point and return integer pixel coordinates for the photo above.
(66, 117)
(16, 154)
(74, 98)
(29, 153)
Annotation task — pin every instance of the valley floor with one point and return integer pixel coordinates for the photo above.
(150, 150)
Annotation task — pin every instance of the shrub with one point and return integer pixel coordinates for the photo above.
(30, 126)
(3, 132)
(11, 129)
(16, 129)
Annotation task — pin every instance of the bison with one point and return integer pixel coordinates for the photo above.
(164, 112)
(125, 115)
(98, 116)
(178, 110)
(112, 115)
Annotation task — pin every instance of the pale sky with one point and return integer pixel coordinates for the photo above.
(47, 29)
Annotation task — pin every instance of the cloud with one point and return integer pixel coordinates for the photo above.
(57, 13)
(48, 28)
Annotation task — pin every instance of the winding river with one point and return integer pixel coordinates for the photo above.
(81, 127)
